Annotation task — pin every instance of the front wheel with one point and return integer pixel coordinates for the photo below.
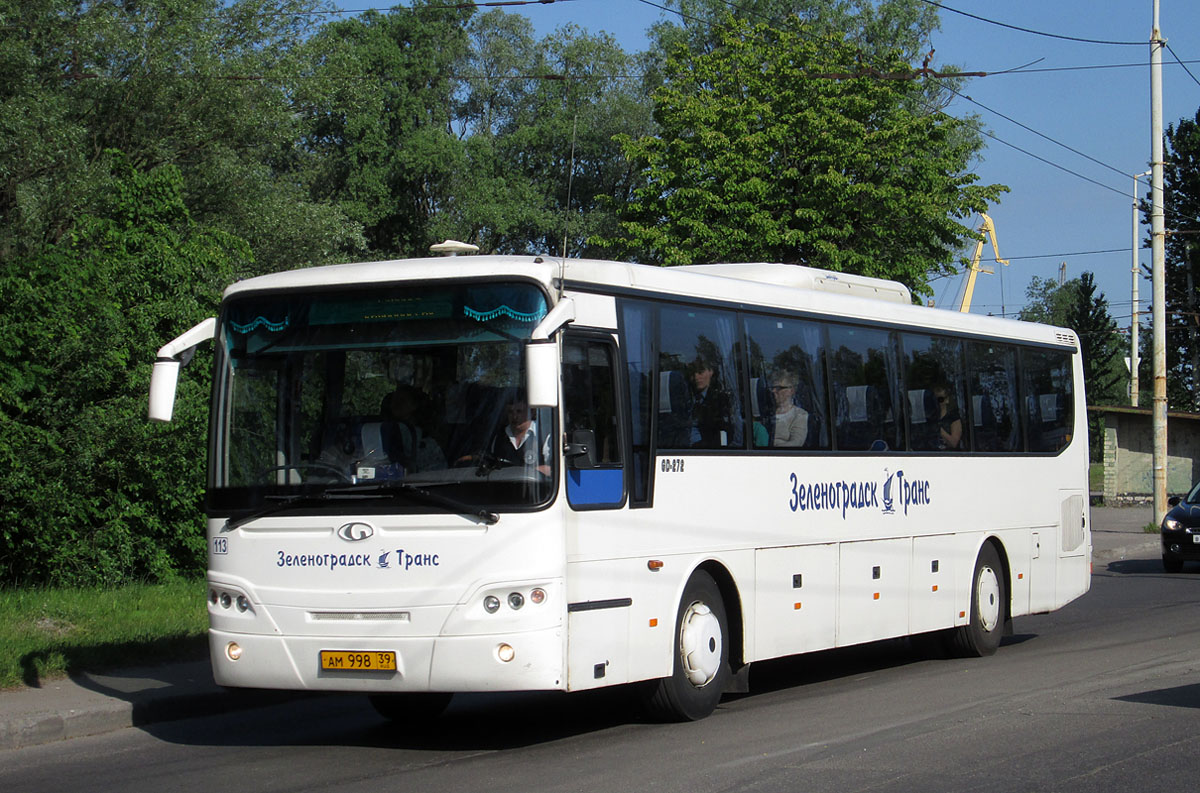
(1172, 564)
(989, 608)
(701, 656)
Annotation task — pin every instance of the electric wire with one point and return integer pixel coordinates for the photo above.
(1032, 31)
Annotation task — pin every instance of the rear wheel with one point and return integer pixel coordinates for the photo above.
(412, 709)
(989, 608)
(1172, 564)
(701, 656)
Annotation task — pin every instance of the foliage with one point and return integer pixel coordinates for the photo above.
(531, 141)
(377, 142)
(196, 83)
(1181, 197)
(763, 159)
(873, 27)
(89, 491)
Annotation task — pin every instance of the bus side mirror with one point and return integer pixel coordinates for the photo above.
(165, 375)
(163, 380)
(581, 450)
(541, 369)
(541, 355)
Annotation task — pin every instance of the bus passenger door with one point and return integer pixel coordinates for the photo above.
(594, 469)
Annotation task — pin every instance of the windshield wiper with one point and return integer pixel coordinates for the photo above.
(279, 503)
(359, 492)
(420, 494)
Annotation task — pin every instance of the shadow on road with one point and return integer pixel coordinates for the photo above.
(497, 722)
(1151, 567)
(1178, 697)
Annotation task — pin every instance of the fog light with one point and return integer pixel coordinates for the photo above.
(516, 600)
(226, 600)
(233, 651)
(491, 604)
(537, 596)
(243, 603)
(505, 652)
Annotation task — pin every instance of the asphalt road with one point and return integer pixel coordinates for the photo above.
(1100, 696)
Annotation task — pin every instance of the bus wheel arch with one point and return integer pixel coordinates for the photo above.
(990, 604)
(701, 648)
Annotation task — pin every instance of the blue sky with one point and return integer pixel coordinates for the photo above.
(1050, 216)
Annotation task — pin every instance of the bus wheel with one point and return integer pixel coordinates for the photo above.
(413, 709)
(701, 656)
(989, 603)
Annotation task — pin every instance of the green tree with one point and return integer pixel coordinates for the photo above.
(1181, 198)
(200, 84)
(761, 157)
(90, 492)
(377, 111)
(539, 119)
(873, 27)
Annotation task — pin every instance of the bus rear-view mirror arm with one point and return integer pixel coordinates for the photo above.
(165, 375)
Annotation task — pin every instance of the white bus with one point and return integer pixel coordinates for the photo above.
(490, 473)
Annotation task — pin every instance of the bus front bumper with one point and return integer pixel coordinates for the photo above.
(528, 661)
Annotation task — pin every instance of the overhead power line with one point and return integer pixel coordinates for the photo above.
(1032, 31)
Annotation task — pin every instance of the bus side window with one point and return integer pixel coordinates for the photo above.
(863, 372)
(992, 387)
(595, 477)
(933, 379)
(700, 402)
(787, 384)
(1046, 377)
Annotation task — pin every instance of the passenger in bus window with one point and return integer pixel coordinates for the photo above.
(711, 407)
(791, 420)
(949, 421)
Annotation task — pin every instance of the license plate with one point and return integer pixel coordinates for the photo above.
(1196, 538)
(358, 660)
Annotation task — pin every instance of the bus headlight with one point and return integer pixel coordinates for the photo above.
(491, 604)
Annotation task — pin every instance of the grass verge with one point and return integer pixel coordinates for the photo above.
(48, 633)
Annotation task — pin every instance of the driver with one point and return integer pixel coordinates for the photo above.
(517, 442)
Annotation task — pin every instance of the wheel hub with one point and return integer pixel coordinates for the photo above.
(700, 644)
(987, 599)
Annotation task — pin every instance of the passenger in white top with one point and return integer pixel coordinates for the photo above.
(791, 420)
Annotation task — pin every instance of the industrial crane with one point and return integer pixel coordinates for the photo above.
(986, 231)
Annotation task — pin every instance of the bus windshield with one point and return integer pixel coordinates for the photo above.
(379, 395)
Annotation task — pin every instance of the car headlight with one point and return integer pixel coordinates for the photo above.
(1171, 524)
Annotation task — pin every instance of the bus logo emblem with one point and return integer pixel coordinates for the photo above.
(353, 532)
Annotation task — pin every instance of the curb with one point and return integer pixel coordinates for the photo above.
(109, 714)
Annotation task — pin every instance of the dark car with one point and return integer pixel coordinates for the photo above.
(1180, 531)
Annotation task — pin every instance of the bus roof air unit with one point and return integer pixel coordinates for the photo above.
(800, 277)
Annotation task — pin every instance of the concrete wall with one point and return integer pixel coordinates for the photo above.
(1128, 453)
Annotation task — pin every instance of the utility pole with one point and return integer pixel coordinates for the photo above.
(1135, 325)
(1158, 238)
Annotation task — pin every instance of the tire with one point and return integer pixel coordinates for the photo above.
(989, 609)
(700, 670)
(411, 710)
(1172, 565)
